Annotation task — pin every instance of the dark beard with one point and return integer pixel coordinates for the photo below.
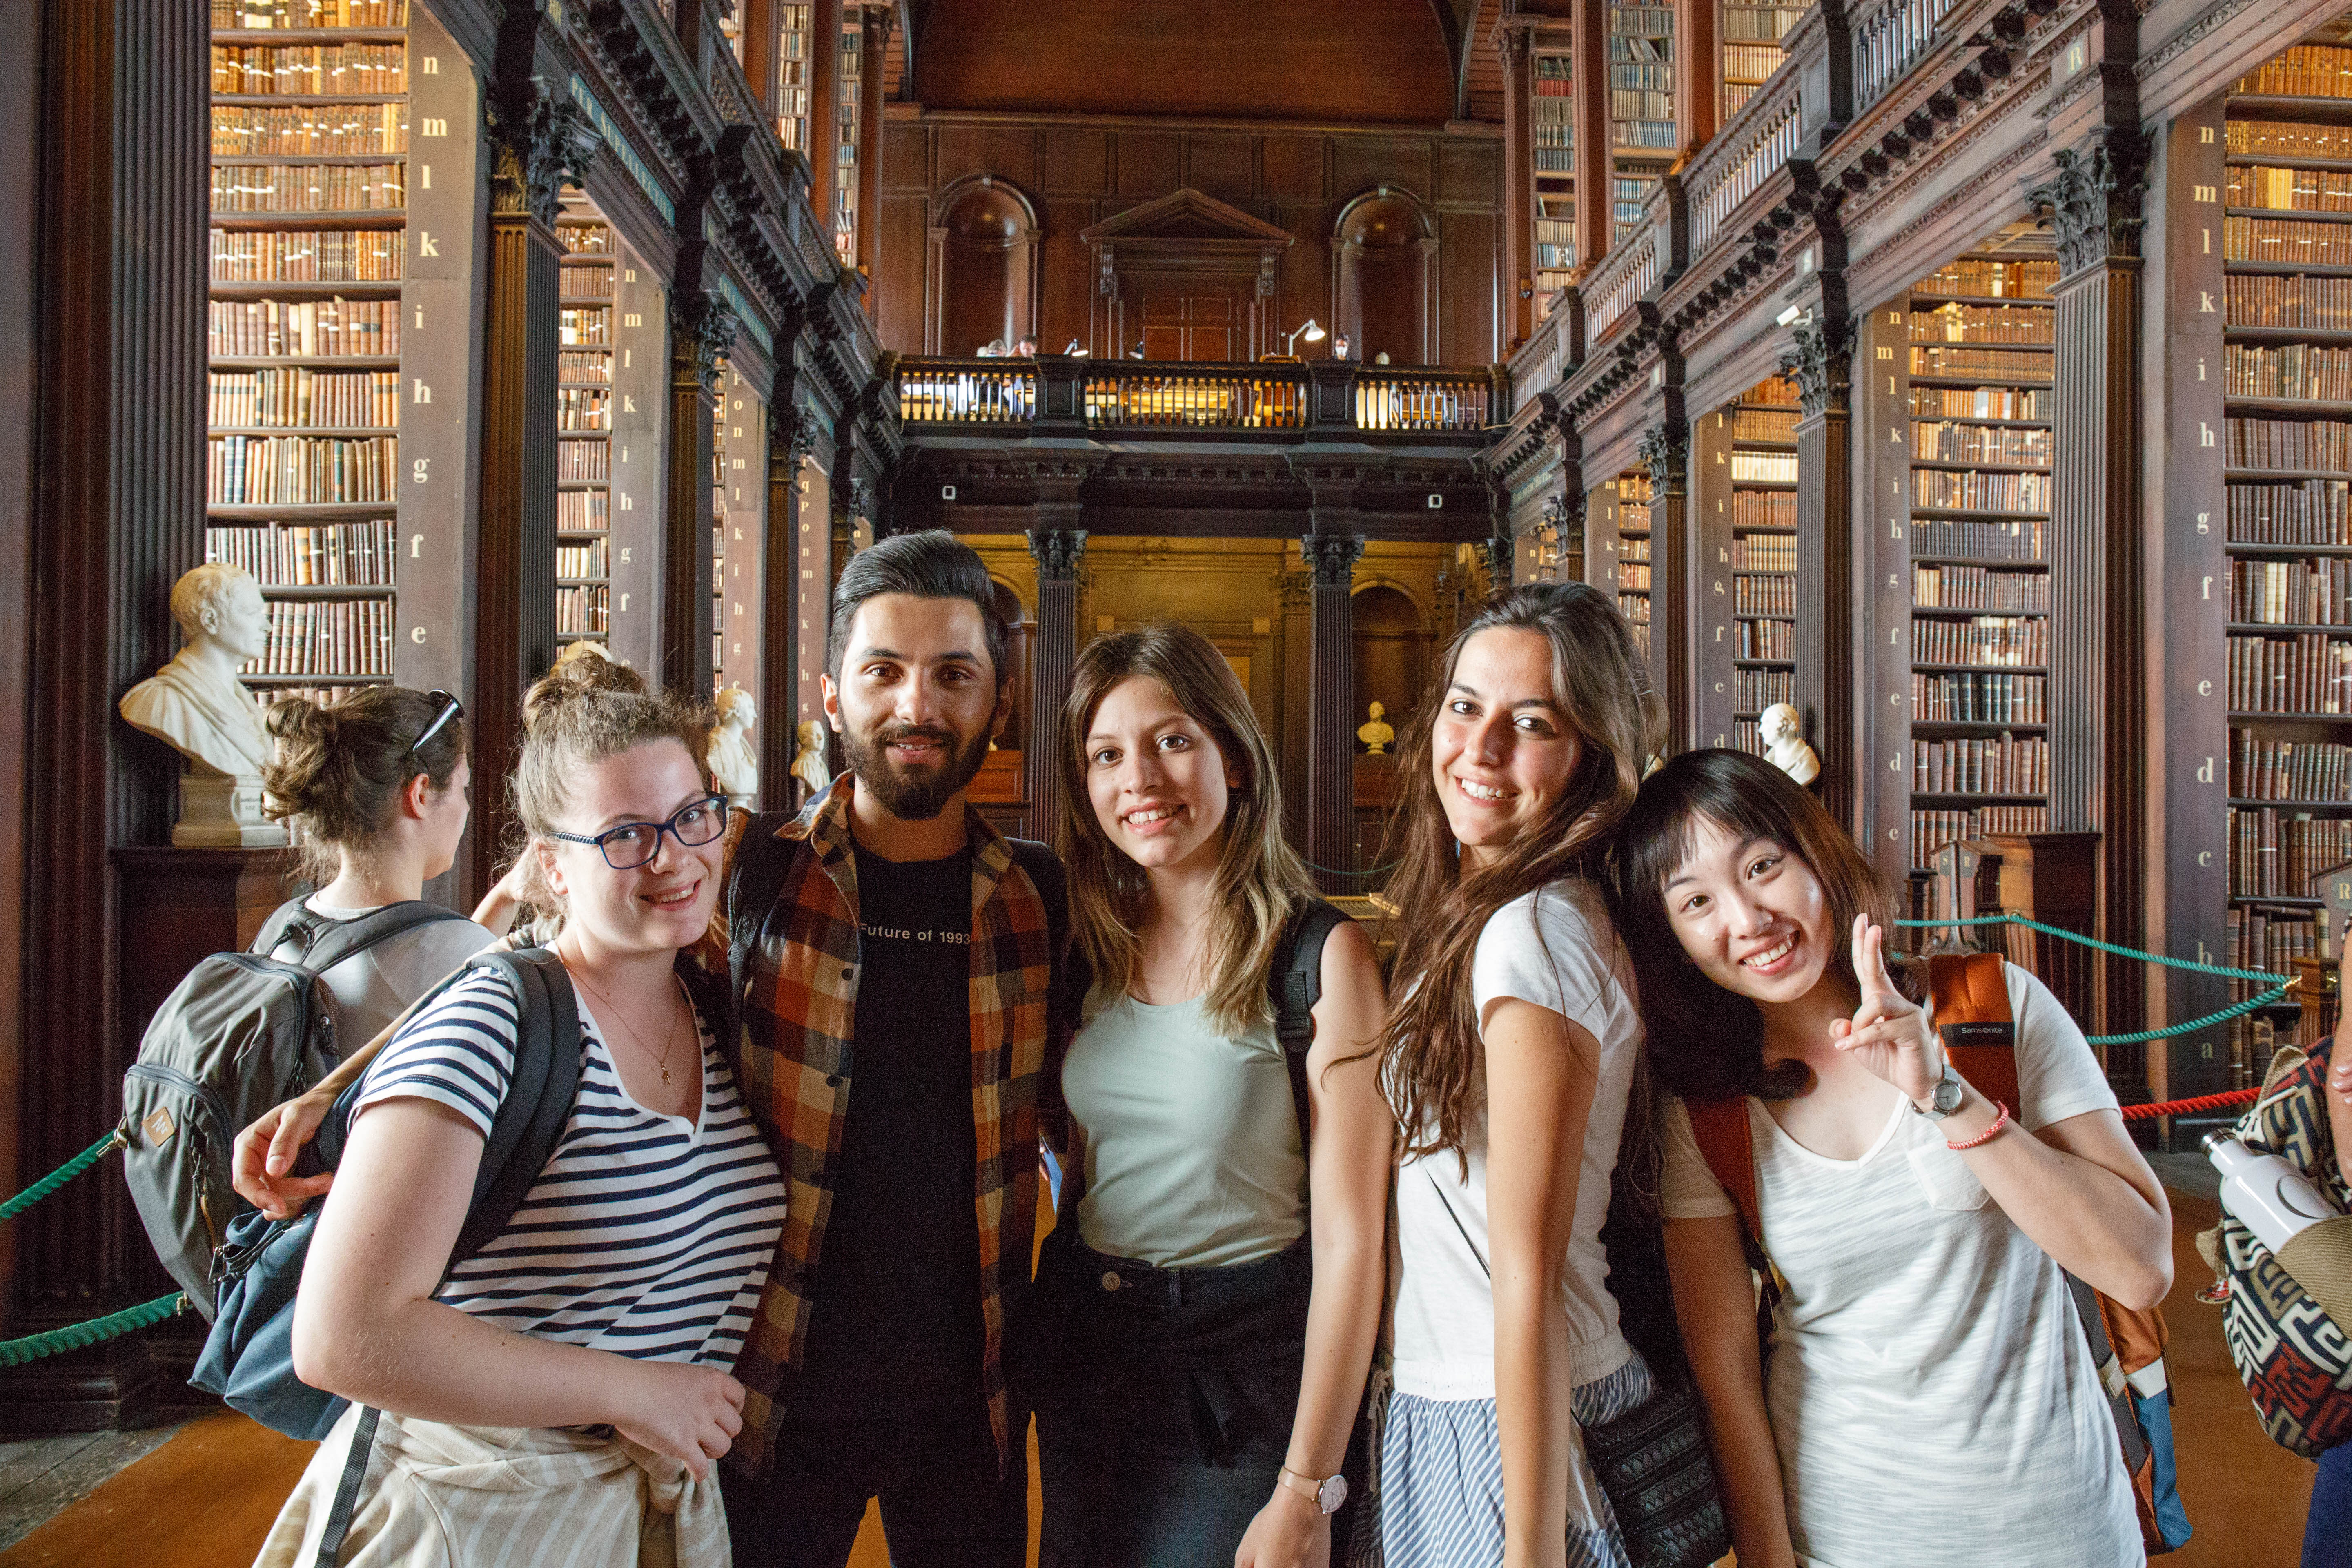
(917, 796)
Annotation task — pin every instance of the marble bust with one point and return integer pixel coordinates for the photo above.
(1377, 735)
(195, 705)
(733, 767)
(1784, 743)
(808, 763)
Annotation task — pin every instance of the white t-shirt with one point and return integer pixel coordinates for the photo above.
(1556, 949)
(371, 989)
(647, 1235)
(1927, 1364)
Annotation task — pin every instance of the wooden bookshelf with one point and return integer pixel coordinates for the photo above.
(844, 215)
(1762, 504)
(1643, 135)
(792, 76)
(583, 593)
(2286, 231)
(309, 119)
(1751, 36)
(1633, 563)
(1975, 341)
(1552, 126)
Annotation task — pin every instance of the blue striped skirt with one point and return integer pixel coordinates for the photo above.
(1441, 1485)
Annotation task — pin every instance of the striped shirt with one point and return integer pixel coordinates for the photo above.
(646, 1235)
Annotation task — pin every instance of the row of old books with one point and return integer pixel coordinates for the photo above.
(586, 325)
(2289, 300)
(1775, 640)
(294, 556)
(1979, 403)
(583, 408)
(1764, 553)
(256, 13)
(587, 559)
(1977, 588)
(2305, 71)
(300, 471)
(2287, 242)
(1753, 690)
(309, 70)
(349, 638)
(306, 328)
(2307, 592)
(1948, 441)
(308, 188)
(2309, 511)
(1764, 468)
(576, 365)
(2017, 367)
(1986, 278)
(309, 129)
(297, 398)
(2000, 699)
(2019, 539)
(2264, 769)
(2273, 854)
(1959, 324)
(1764, 424)
(2302, 372)
(1765, 593)
(2308, 673)
(1993, 641)
(583, 609)
(588, 282)
(2269, 940)
(2006, 764)
(308, 255)
(582, 512)
(1974, 489)
(1763, 508)
(2288, 139)
(1931, 830)
(2272, 443)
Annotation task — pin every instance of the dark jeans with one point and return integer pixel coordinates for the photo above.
(1164, 1403)
(943, 1503)
(2328, 1535)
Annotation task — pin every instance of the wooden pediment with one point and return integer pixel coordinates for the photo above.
(1187, 217)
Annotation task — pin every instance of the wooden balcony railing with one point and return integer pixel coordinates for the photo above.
(1146, 394)
(1620, 279)
(1888, 39)
(1760, 137)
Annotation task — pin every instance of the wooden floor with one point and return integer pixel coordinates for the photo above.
(204, 1497)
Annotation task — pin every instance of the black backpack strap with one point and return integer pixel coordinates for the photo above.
(1295, 984)
(531, 1117)
(325, 941)
(754, 883)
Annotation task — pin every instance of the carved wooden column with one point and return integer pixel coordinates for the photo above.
(798, 592)
(1298, 697)
(702, 327)
(112, 162)
(1059, 552)
(1820, 366)
(1331, 710)
(824, 111)
(876, 23)
(535, 141)
(1518, 185)
(1495, 554)
(2098, 676)
(762, 40)
(1665, 451)
(1588, 29)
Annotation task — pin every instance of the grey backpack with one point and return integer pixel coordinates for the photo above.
(243, 1032)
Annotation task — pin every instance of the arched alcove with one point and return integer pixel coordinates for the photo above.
(984, 242)
(1020, 643)
(1392, 653)
(1384, 247)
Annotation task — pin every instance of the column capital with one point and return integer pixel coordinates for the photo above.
(1058, 551)
(2094, 201)
(792, 434)
(537, 141)
(1665, 450)
(703, 326)
(1332, 557)
(1497, 552)
(1821, 363)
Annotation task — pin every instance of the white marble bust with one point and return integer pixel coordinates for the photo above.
(808, 763)
(733, 767)
(194, 703)
(1785, 746)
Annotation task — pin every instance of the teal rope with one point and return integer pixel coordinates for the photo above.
(77, 1336)
(2144, 1035)
(59, 1178)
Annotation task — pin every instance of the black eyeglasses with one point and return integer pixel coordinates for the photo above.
(632, 844)
(449, 708)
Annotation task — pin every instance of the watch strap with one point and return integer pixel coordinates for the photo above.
(1307, 1487)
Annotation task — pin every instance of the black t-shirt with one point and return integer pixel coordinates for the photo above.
(895, 1322)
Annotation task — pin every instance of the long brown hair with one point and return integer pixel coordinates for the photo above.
(1259, 879)
(1705, 1042)
(1430, 1049)
(340, 767)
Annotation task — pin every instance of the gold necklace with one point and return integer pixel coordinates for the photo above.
(668, 1044)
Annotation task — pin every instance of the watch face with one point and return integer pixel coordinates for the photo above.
(1949, 1091)
(1332, 1493)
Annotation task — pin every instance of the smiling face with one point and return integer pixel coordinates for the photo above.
(1158, 782)
(1503, 749)
(660, 906)
(1751, 914)
(917, 701)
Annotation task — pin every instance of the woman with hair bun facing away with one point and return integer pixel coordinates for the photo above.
(379, 783)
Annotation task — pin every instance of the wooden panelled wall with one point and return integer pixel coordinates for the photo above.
(1075, 174)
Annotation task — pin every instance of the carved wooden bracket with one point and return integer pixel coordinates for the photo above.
(536, 143)
(1822, 366)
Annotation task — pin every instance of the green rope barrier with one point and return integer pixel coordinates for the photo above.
(59, 1178)
(2223, 1016)
(79, 1336)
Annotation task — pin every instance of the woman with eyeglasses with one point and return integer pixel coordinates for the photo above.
(379, 787)
(560, 1394)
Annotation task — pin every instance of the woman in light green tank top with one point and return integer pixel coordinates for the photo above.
(1196, 1381)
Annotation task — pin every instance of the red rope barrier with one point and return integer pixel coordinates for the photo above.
(2188, 1107)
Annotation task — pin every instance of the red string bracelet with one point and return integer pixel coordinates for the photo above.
(1987, 1135)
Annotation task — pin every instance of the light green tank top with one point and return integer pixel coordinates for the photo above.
(1192, 1158)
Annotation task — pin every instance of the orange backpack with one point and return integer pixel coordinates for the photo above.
(1971, 998)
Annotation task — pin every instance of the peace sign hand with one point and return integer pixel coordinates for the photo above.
(1888, 1033)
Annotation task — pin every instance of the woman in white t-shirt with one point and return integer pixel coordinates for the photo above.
(1507, 1058)
(559, 1395)
(1930, 1398)
(379, 784)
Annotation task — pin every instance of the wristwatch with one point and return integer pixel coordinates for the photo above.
(1329, 1494)
(1944, 1097)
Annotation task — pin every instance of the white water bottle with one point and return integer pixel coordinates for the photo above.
(2269, 1196)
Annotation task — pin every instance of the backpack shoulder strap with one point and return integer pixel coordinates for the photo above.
(754, 882)
(1970, 993)
(1295, 984)
(289, 921)
(340, 939)
(1045, 869)
(1727, 1143)
(539, 1099)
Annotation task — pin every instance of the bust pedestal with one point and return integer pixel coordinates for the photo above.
(223, 811)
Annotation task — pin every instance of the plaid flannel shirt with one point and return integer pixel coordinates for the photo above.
(793, 1063)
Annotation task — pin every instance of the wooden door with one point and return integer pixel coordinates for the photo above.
(1191, 327)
